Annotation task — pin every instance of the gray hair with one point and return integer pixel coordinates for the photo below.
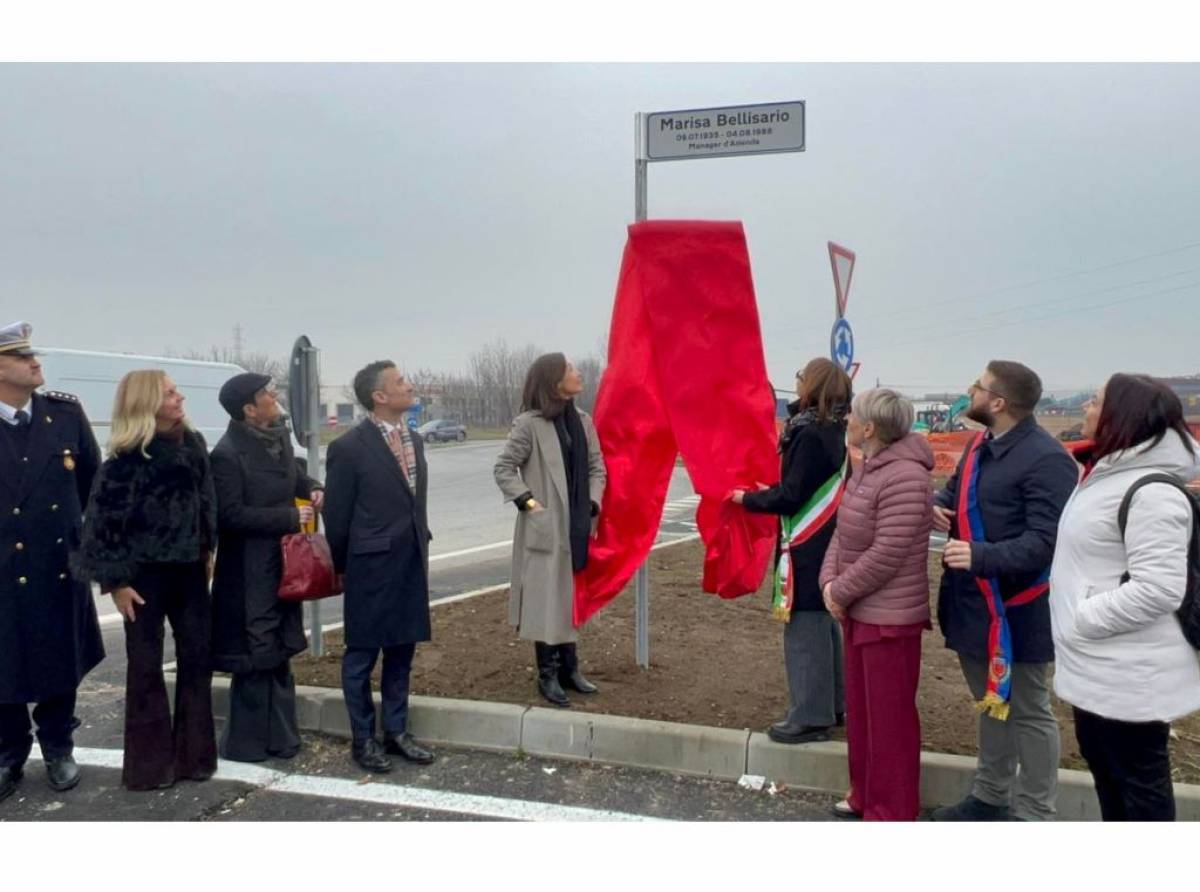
(891, 413)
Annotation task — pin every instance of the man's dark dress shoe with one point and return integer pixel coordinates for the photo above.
(780, 732)
(970, 809)
(62, 774)
(370, 756)
(405, 747)
(10, 776)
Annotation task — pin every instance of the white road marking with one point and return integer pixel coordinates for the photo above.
(395, 795)
(507, 543)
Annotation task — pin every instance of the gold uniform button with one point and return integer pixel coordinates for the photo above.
(22, 580)
(20, 546)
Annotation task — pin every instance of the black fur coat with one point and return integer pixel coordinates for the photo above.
(160, 509)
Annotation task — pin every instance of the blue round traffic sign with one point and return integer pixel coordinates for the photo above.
(841, 344)
(410, 419)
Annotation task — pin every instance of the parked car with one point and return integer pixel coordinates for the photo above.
(1072, 434)
(442, 430)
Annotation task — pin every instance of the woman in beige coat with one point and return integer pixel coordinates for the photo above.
(552, 470)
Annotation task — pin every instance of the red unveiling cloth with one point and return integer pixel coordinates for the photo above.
(685, 374)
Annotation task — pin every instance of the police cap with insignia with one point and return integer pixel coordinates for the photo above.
(239, 391)
(14, 340)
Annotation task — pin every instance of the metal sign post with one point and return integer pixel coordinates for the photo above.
(304, 400)
(641, 610)
(767, 128)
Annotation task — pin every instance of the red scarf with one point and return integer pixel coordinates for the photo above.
(686, 375)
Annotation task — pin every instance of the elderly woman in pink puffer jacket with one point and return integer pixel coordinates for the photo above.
(875, 579)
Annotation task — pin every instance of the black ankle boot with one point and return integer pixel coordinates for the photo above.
(569, 675)
(547, 663)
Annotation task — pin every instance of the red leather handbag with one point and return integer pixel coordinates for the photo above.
(308, 572)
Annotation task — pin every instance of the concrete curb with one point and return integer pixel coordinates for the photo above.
(666, 746)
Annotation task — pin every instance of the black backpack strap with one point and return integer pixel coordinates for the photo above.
(1123, 511)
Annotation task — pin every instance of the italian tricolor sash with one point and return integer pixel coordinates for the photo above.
(970, 529)
(801, 527)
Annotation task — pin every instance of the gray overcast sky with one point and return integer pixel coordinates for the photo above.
(417, 211)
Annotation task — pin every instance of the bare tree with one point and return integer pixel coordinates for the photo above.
(262, 363)
(592, 370)
(498, 372)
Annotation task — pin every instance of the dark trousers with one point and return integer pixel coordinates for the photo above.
(55, 718)
(357, 666)
(812, 655)
(1131, 765)
(883, 728)
(262, 716)
(159, 751)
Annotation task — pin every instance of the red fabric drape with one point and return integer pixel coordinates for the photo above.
(685, 374)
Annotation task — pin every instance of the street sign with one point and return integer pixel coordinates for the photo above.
(841, 344)
(410, 419)
(302, 396)
(761, 129)
(842, 261)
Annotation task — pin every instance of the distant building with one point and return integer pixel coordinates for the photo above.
(338, 404)
(1188, 389)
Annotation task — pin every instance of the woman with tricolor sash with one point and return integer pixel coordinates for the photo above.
(876, 581)
(815, 468)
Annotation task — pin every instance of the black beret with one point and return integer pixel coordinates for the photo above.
(239, 391)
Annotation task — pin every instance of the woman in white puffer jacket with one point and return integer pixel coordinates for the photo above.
(1121, 659)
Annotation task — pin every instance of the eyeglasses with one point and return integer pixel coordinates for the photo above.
(978, 386)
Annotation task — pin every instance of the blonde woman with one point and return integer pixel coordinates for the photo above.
(147, 537)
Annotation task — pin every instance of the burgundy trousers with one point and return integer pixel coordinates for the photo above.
(883, 729)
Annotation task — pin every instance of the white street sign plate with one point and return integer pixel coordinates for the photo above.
(720, 132)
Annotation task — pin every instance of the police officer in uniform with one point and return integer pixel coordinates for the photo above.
(49, 634)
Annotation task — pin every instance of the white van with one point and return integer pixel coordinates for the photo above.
(93, 377)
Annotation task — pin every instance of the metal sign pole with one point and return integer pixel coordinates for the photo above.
(642, 584)
(314, 470)
(762, 128)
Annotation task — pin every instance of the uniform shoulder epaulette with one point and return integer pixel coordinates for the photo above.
(61, 397)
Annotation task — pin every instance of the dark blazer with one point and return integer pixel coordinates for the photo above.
(811, 453)
(1025, 479)
(379, 536)
(148, 510)
(49, 635)
(252, 628)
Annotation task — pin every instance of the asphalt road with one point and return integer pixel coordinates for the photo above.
(321, 783)
(472, 527)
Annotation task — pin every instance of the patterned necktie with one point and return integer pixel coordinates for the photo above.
(22, 418)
